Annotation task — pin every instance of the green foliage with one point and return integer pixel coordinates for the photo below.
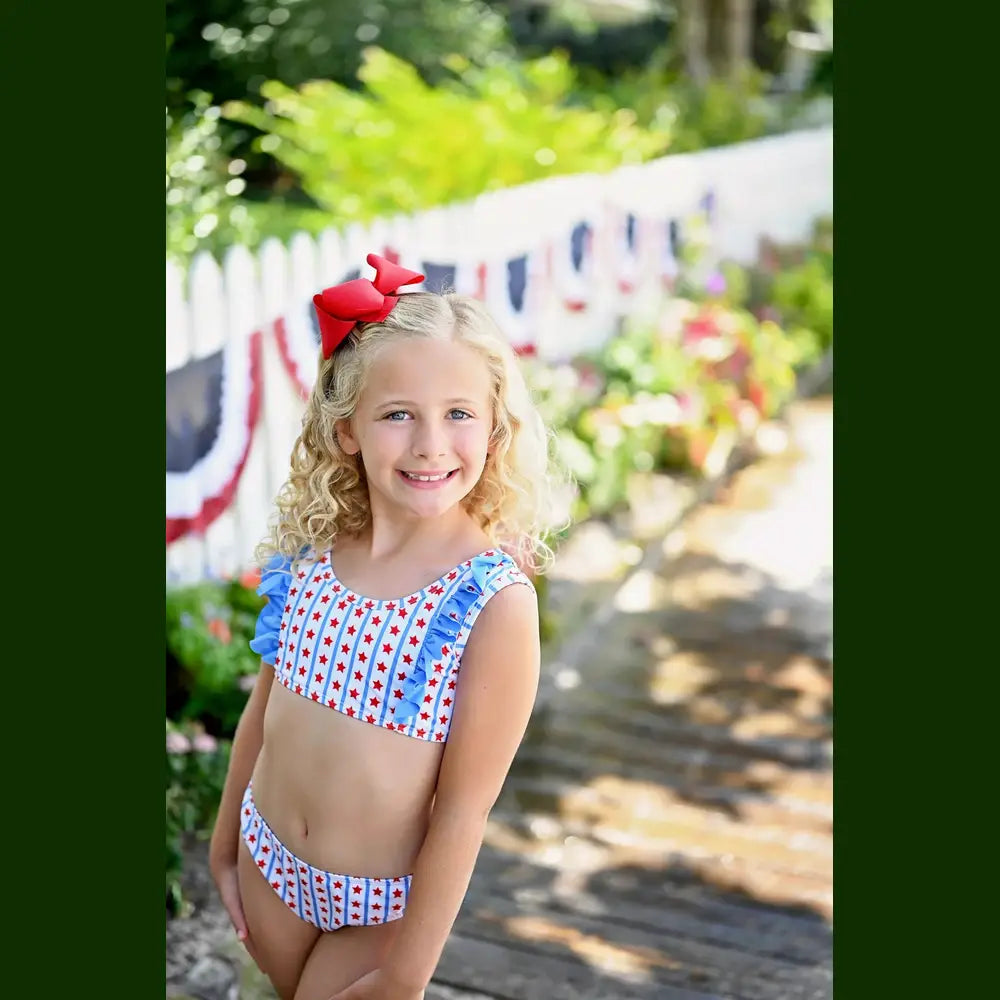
(204, 211)
(209, 627)
(401, 144)
(196, 772)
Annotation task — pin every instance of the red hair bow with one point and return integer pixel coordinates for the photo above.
(343, 306)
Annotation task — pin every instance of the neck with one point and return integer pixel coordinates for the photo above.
(389, 537)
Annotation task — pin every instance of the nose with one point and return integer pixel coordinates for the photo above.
(429, 440)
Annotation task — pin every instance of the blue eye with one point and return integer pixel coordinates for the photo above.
(396, 415)
(462, 414)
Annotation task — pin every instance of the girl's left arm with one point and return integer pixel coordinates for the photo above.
(496, 693)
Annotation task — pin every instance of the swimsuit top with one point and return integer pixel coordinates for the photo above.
(392, 664)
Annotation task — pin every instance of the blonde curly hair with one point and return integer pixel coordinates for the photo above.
(326, 492)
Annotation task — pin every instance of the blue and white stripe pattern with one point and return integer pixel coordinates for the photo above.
(392, 664)
(324, 899)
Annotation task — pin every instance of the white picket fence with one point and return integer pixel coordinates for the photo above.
(774, 187)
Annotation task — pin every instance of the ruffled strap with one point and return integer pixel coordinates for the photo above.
(275, 579)
(449, 629)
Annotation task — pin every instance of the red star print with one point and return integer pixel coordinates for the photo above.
(359, 612)
(338, 885)
(334, 623)
(341, 605)
(407, 659)
(376, 906)
(451, 685)
(358, 676)
(316, 616)
(332, 702)
(374, 702)
(397, 693)
(362, 657)
(315, 697)
(353, 692)
(345, 649)
(275, 885)
(439, 737)
(328, 641)
(382, 667)
(429, 606)
(443, 720)
(414, 641)
(369, 718)
(351, 630)
(262, 863)
(401, 612)
(301, 574)
(350, 712)
(396, 893)
(298, 689)
(421, 623)
(341, 667)
(444, 650)
(323, 659)
(301, 611)
(401, 676)
(369, 605)
(310, 634)
(424, 716)
(389, 725)
(421, 733)
(352, 598)
(306, 653)
(376, 620)
(288, 608)
(356, 890)
(368, 637)
(391, 605)
(319, 678)
(452, 575)
(307, 594)
(302, 671)
(432, 682)
(377, 684)
(413, 600)
(438, 668)
(377, 891)
(428, 699)
(336, 685)
(325, 599)
(446, 702)
(318, 578)
(394, 630)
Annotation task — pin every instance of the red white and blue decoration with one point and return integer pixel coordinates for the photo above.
(213, 404)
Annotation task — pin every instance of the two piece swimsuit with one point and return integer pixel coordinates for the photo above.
(392, 664)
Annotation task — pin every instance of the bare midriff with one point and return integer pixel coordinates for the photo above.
(342, 794)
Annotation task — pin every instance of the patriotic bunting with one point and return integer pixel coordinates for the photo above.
(212, 407)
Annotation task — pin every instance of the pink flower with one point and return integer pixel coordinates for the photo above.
(177, 743)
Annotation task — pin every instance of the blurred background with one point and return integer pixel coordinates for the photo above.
(641, 192)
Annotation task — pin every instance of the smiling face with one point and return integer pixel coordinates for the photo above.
(422, 426)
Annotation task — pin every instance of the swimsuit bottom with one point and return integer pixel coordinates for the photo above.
(324, 899)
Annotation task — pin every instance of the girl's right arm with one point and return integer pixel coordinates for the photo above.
(225, 841)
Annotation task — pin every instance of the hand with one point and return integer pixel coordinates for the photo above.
(376, 985)
(228, 883)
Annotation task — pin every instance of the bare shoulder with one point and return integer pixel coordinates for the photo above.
(510, 614)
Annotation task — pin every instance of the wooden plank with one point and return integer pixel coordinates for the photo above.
(506, 973)
(664, 960)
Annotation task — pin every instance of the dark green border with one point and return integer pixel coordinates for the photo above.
(83, 223)
(910, 311)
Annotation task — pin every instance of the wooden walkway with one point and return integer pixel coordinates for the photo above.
(666, 829)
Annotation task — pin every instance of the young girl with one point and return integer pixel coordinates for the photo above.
(399, 645)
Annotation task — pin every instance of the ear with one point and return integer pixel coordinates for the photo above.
(345, 438)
